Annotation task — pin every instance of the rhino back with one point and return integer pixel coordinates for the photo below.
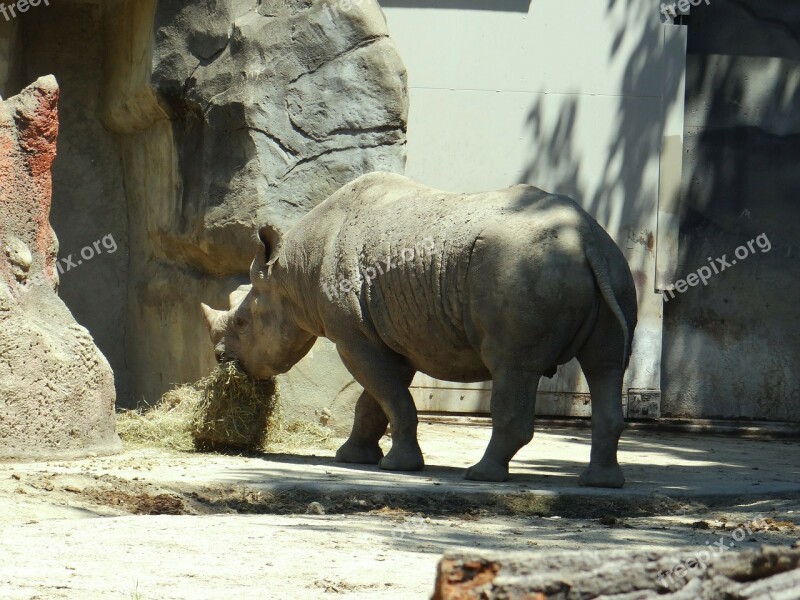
(391, 261)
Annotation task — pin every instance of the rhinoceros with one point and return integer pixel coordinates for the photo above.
(502, 286)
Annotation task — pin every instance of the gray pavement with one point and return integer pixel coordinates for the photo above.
(669, 464)
(244, 528)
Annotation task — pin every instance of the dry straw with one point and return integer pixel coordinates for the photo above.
(226, 411)
(235, 411)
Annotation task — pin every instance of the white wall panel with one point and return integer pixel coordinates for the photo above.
(571, 96)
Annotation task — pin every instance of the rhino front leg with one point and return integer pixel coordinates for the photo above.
(385, 376)
(513, 408)
(369, 425)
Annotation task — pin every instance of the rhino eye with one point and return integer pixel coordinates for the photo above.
(240, 323)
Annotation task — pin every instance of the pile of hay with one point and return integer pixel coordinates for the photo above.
(227, 411)
(235, 411)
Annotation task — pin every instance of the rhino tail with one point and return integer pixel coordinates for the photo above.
(599, 265)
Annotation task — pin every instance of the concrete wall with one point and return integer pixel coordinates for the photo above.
(575, 98)
(732, 347)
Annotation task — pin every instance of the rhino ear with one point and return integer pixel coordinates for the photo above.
(235, 298)
(271, 240)
(213, 317)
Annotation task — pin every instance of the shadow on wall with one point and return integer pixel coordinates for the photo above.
(733, 346)
(639, 131)
(624, 200)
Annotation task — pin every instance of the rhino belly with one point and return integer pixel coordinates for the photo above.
(432, 343)
(466, 368)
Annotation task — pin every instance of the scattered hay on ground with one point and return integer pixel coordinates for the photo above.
(165, 425)
(226, 411)
(301, 434)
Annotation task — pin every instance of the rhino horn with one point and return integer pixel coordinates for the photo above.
(213, 317)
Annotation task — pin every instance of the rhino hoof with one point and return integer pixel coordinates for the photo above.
(400, 459)
(604, 477)
(358, 454)
(487, 471)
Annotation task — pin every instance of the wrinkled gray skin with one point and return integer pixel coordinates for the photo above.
(502, 285)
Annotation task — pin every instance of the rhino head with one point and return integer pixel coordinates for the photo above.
(259, 331)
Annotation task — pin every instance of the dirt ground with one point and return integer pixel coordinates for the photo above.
(153, 524)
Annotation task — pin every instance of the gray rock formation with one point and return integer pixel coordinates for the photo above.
(273, 109)
(56, 388)
(185, 125)
(251, 113)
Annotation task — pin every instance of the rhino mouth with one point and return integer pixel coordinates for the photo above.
(231, 363)
(226, 360)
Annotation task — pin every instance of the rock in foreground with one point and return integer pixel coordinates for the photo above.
(56, 388)
(771, 572)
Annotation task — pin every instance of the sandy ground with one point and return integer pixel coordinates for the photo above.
(151, 524)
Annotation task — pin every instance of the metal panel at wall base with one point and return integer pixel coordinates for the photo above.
(473, 401)
(636, 403)
(643, 404)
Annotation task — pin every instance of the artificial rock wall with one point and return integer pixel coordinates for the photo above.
(186, 125)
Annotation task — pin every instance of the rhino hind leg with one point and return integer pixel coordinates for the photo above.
(513, 407)
(601, 360)
(385, 376)
(607, 426)
(369, 425)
